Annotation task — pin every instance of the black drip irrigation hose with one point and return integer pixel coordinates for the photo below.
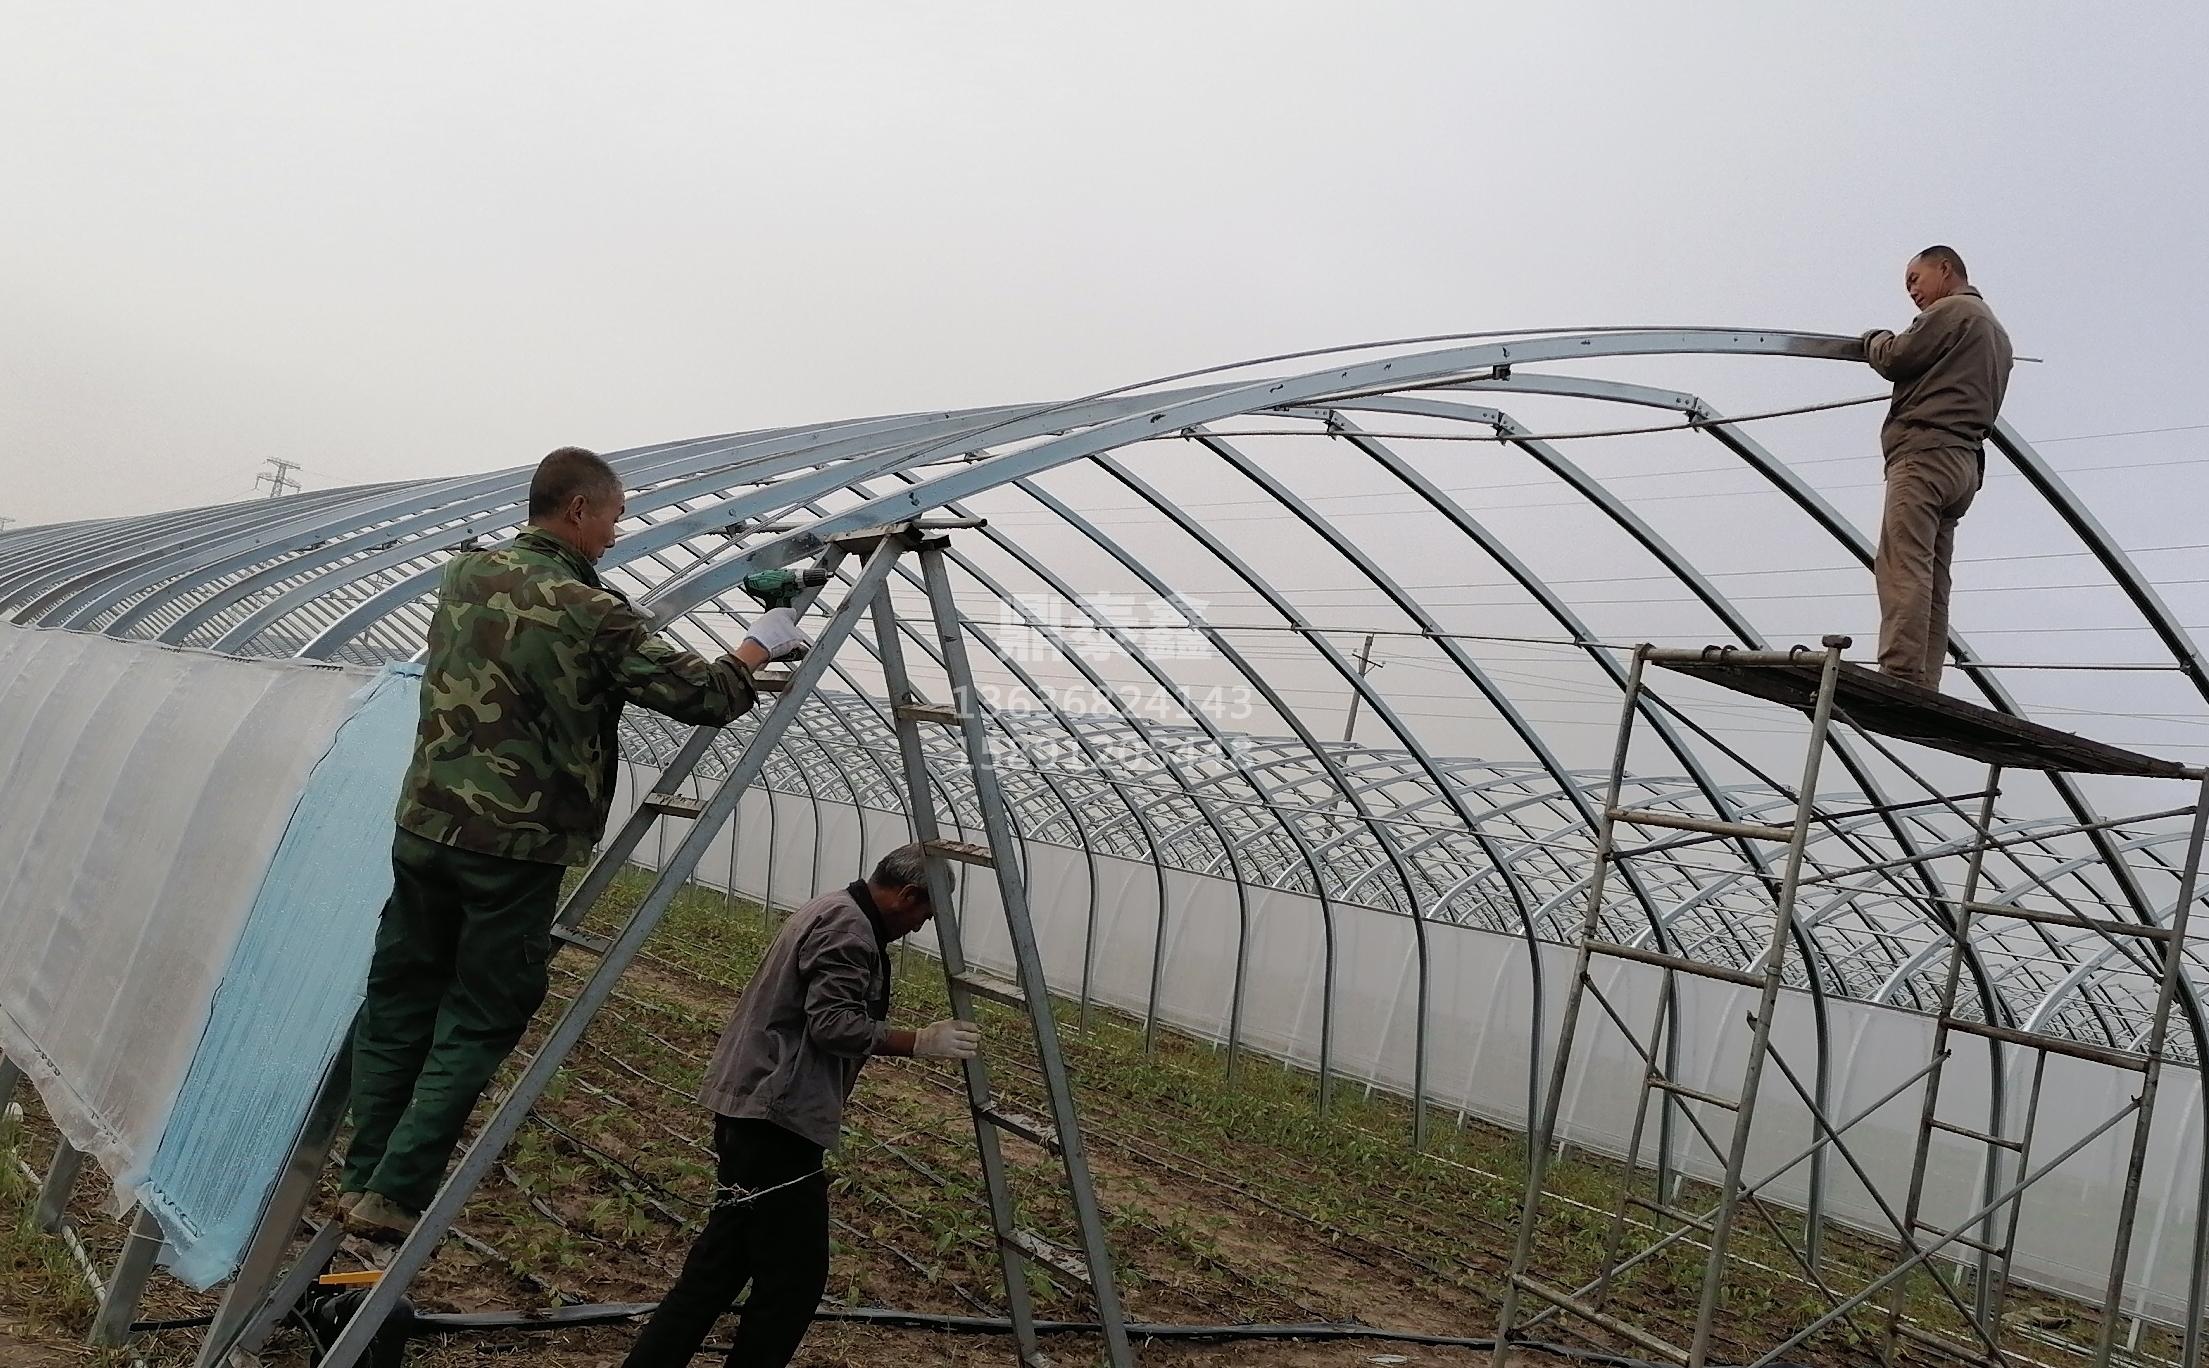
(611, 1313)
(147, 1327)
(1321, 1331)
(570, 1317)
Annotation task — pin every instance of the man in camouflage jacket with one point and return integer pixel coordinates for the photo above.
(531, 659)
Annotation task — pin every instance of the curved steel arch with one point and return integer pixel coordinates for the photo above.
(1404, 828)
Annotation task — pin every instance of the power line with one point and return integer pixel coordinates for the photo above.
(2130, 432)
(1862, 591)
(1762, 573)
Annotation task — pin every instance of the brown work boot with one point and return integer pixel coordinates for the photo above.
(377, 1217)
(346, 1201)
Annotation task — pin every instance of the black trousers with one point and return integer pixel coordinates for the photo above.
(778, 1243)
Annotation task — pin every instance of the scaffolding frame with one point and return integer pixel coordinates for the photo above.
(1831, 692)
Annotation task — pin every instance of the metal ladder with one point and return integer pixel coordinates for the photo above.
(1717, 1229)
(1061, 1134)
(881, 549)
(2015, 1152)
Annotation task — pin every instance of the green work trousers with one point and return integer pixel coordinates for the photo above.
(459, 969)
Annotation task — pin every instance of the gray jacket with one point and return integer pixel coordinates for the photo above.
(1950, 369)
(808, 1021)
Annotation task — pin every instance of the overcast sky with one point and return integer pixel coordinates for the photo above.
(423, 239)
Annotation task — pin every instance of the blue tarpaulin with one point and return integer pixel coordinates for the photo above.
(288, 997)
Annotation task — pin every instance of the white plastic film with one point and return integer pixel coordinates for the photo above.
(142, 792)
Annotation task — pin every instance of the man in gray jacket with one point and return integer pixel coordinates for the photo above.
(1950, 369)
(815, 1011)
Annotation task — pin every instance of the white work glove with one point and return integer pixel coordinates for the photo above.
(778, 634)
(947, 1040)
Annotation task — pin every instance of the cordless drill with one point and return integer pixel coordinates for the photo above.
(780, 588)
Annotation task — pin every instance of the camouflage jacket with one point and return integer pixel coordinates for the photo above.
(530, 661)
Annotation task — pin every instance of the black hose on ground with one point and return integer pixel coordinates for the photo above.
(570, 1317)
(610, 1313)
(147, 1327)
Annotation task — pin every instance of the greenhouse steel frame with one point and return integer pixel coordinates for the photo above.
(347, 574)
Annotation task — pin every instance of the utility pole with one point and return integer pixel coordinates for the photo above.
(1365, 664)
(6, 523)
(279, 480)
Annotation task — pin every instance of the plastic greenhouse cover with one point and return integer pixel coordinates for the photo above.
(283, 1008)
(142, 792)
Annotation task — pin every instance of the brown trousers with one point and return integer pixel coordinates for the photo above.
(1928, 493)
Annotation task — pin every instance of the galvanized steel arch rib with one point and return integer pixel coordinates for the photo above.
(979, 476)
(1242, 570)
(184, 562)
(799, 476)
(466, 500)
(120, 581)
(728, 463)
(1163, 756)
(31, 592)
(1236, 763)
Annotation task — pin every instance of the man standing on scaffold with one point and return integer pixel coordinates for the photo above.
(1950, 369)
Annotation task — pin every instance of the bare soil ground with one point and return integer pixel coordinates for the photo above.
(20, 1347)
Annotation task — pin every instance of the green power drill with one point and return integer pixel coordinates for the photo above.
(780, 588)
(774, 589)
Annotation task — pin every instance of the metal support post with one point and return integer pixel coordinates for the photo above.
(767, 889)
(119, 1305)
(11, 1074)
(1661, 1196)
(53, 1194)
(1991, 1299)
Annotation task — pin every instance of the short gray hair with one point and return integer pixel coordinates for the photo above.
(904, 867)
(566, 473)
(1940, 253)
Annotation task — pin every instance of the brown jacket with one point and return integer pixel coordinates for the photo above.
(1950, 369)
(808, 1021)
